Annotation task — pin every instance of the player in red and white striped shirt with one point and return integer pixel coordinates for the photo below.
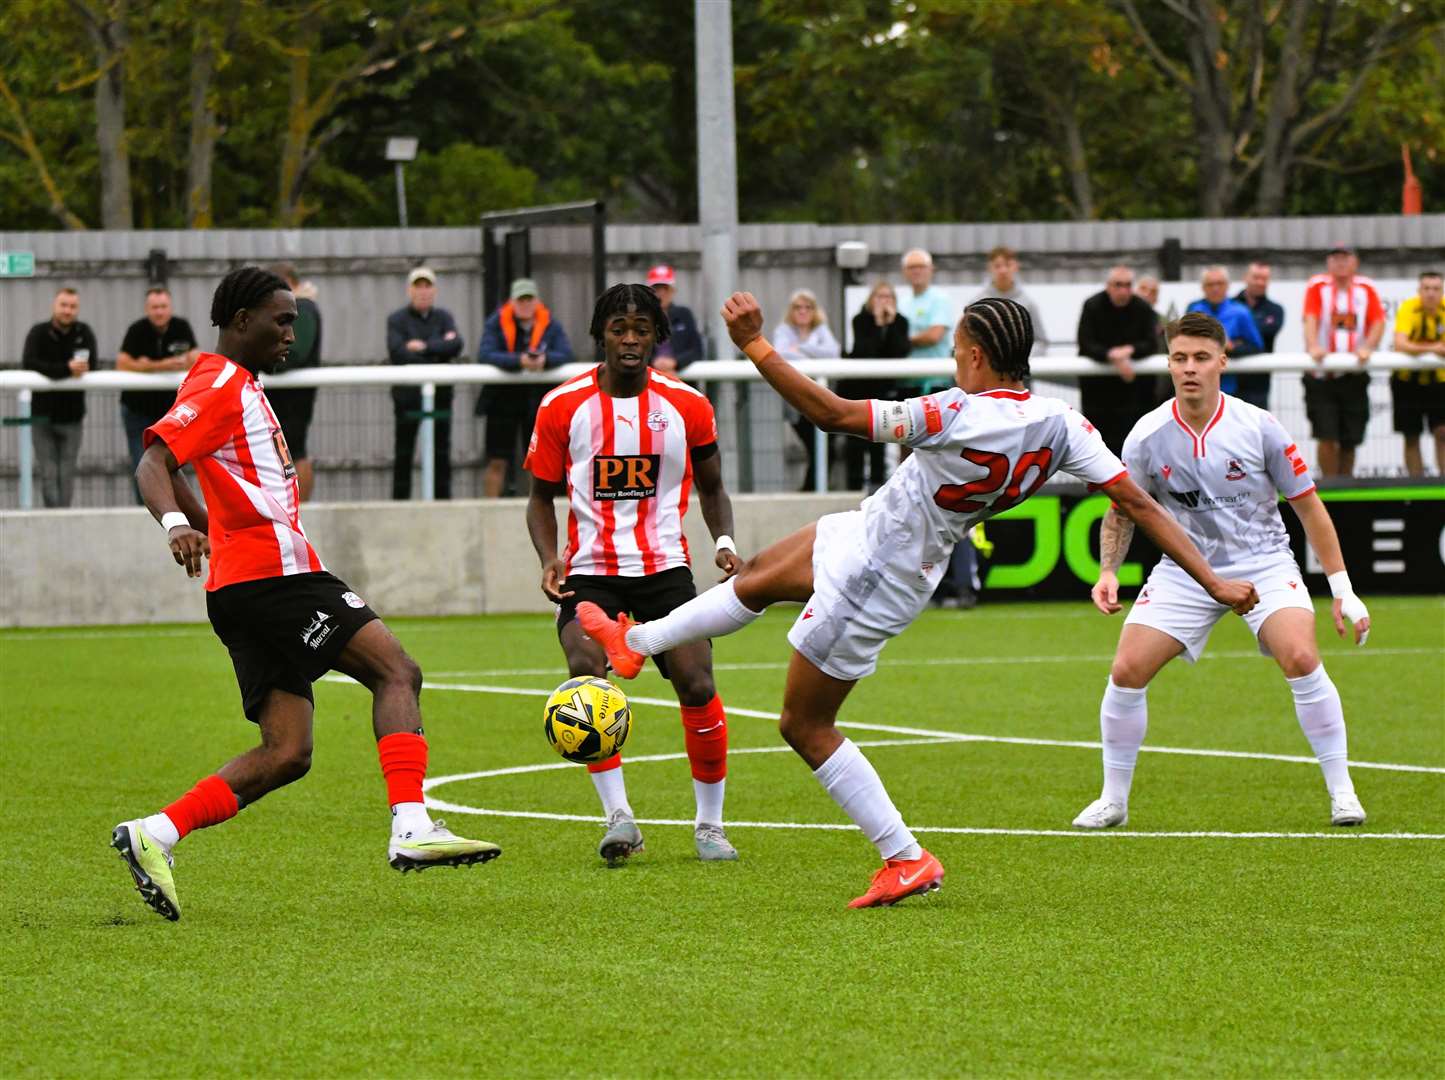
(626, 444)
(284, 619)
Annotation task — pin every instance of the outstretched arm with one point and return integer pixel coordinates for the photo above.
(1320, 532)
(1115, 535)
(1135, 502)
(165, 493)
(819, 404)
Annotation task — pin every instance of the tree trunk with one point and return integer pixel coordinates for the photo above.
(203, 129)
(300, 119)
(109, 35)
(1078, 165)
(1276, 158)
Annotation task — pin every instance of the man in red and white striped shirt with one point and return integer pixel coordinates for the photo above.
(1342, 314)
(626, 444)
(284, 619)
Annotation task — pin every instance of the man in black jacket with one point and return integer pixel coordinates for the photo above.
(683, 344)
(1268, 318)
(1116, 328)
(421, 333)
(294, 408)
(63, 347)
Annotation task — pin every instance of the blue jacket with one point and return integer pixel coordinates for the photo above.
(1238, 324)
(499, 348)
(683, 336)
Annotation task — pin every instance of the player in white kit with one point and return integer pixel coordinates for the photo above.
(1220, 464)
(865, 575)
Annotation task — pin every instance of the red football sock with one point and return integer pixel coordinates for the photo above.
(403, 764)
(705, 733)
(209, 803)
(614, 762)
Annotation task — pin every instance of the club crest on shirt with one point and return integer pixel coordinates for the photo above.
(182, 414)
(1234, 471)
(657, 420)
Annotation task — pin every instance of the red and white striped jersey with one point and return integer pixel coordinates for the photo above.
(1344, 314)
(627, 463)
(222, 424)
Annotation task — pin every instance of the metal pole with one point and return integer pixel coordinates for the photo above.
(428, 442)
(401, 193)
(27, 450)
(717, 168)
(820, 453)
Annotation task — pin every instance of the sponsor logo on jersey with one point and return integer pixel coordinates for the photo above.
(622, 418)
(182, 414)
(318, 630)
(288, 467)
(932, 415)
(633, 476)
(1189, 499)
(1234, 471)
(1166, 470)
(657, 420)
(1193, 500)
(1297, 463)
(352, 600)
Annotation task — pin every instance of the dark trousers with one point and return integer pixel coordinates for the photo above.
(857, 452)
(406, 401)
(1114, 406)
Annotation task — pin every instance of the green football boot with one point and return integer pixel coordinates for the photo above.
(437, 846)
(150, 866)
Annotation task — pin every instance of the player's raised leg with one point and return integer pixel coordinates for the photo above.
(1289, 634)
(808, 724)
(622, 837)
(1124, 719)
(705, 734)
(782, 571)
(376, 659)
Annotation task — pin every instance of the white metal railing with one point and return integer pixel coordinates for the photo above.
(24, 384)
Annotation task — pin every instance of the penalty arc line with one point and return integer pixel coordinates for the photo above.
(945, 736)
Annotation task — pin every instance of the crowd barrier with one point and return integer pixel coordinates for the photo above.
(25, 384)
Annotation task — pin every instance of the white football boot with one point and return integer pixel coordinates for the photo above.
(1345, 809)
(1102, 814)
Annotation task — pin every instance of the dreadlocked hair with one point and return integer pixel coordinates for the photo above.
(1005, 331)
(246, 287)
(619, 298)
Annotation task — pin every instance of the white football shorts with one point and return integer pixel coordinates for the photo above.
(1175, 603)
(857, 603)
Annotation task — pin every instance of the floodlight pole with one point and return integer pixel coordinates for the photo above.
(401, 192)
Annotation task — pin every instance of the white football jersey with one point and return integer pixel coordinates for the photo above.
(1222, 485)
(975, 455)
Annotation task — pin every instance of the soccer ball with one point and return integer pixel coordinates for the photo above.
(587, 719)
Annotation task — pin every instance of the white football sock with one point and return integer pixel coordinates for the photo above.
(713, 614)
(709, 801)
(854, 785)
(1317, 704)
(410, 817)
(162, 830)
(1123, 720)
(612, 791)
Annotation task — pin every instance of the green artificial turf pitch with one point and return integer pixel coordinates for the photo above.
(302, 954)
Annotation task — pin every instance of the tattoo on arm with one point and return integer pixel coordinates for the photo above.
(1115, 536)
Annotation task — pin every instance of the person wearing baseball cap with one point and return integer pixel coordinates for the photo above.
(683, 344)
(1342, 314)
(521, 335)
(421, 333)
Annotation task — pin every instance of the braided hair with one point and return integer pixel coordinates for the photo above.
(246, 287)
(1005, 331)
(619, 298)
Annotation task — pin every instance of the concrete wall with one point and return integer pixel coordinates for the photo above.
(105, 567)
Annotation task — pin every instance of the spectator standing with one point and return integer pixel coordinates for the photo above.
(421, 333)
(294, 408)
(1116, 328)
(1242, 336)
(880, 332)
(1419, 396)
(683, 343)
(1342, 313)
(521, 335)
(1268, 319)
(160, 342)
(929, 312)
(1003, 268)
(62, 347)
(1147, 289)
(804, 335)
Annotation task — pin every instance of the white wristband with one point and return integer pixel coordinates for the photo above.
(725, 541)
(174, 518)
(1340, 584)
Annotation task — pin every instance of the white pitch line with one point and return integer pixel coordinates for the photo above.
(947, 736)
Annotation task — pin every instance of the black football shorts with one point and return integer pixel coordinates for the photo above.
(644, 598)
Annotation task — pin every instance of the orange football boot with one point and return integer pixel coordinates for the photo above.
(901, 878)
(611, 634)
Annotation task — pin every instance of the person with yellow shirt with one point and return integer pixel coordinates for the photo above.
(1419, 396)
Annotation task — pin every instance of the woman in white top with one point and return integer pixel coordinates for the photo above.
(804, 335)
